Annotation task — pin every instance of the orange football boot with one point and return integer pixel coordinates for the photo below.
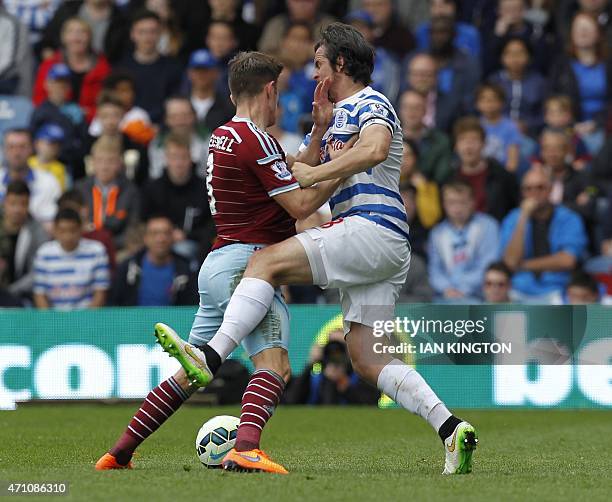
(251, 461)
(108, 462)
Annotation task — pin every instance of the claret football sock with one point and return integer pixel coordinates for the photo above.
(157, 407)
(259, 400)
(247, 307)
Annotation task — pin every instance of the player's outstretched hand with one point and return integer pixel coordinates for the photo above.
(303, 174)
(322, 107)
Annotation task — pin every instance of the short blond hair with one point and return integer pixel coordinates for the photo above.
(107, 144)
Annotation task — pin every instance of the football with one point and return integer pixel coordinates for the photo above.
(215, 438)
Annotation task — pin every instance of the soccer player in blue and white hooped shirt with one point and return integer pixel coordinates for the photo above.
(364, 251)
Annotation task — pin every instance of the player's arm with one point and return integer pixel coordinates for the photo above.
(371, 149)
(302, 202)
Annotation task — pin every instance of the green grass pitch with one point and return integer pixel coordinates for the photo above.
(331, 453)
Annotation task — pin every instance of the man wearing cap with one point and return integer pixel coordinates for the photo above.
(47, 144)
(212, 110)
(44, 188)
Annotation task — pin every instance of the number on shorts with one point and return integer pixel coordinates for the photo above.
(332, 223)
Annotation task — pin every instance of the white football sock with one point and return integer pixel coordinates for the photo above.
(247, 307)
(407, 388)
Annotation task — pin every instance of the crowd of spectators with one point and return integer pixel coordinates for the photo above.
(106, 108)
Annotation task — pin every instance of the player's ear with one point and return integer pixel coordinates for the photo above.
(270, 89)
(340, 64)
(232, 99)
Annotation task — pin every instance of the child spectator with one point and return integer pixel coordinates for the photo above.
(73, 199)
(70, 272)
(112, 200)
(523, 87)
(503, 137)
(135, 122)
(58, 109)
(559, 114)
(47, 145)
(462, 246)
(427, 193)
(110, 116)
(495, 189)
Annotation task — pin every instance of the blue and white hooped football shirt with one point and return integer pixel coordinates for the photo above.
(372, 194)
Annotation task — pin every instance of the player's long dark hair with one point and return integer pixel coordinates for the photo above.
(343, 40)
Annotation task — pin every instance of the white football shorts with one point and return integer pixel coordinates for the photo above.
(367, 262)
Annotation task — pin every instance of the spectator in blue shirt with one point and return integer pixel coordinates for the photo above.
(585, 74)
(541, 242)
(458, 72)
(462, 246)
(155, 276)
(296, 53)
(503, 137)
(523, 87)
(467, 37)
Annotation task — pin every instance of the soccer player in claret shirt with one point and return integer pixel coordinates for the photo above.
(364, 251)
(255, 202)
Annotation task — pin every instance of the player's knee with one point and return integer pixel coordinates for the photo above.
(363, 366)
(263, 265)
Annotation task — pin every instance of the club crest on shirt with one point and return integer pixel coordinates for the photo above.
(280, 169)
(341, 119)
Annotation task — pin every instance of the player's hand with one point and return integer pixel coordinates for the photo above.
(335, 153)
(529, 205)
(303, 173)
(322, 107)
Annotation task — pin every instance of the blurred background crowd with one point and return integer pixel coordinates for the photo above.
(106, 108)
